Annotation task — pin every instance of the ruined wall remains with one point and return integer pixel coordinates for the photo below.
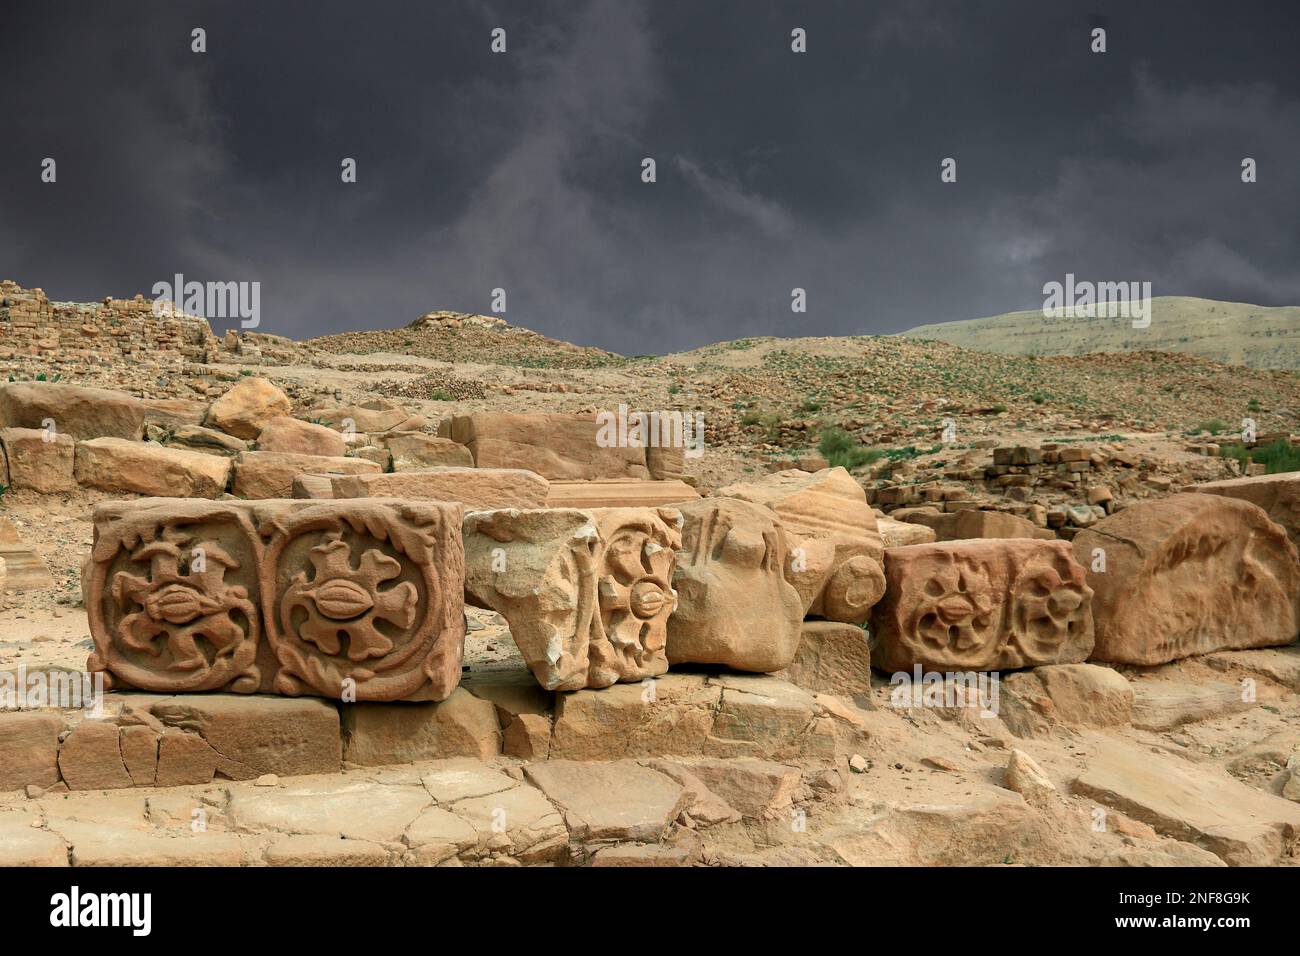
(68, 334)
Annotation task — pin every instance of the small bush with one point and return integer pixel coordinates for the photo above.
(1278, 457)
(841, 449)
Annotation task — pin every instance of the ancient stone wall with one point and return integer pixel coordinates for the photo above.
(69, 334)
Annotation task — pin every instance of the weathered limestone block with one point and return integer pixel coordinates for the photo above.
(39, 460)
(735, 606)
(478, 489)
(989, 604)
(246, 409)
(75, 411)
(618, 493)
(286, 434)
(828, 506)
(364, 599)
(171, 592)
(1190, 574)
(270, 474)
(587, 593)
(553, 445)
(416, 451)
(1279, 495)
(145, 468)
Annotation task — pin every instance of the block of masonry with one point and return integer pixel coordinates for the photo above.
(354, 599)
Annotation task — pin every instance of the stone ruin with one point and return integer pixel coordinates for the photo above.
(303, 607)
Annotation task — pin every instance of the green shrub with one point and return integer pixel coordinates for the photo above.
(1278, 457)
(840, 448)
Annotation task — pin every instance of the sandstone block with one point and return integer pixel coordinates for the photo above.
(587, 594)
(416, 451)
(91, 759)
(1190, 574)
(1278, 495)
(145, 468)
(29, 750)
(460, 726)
(360, 600)
(833, 658)
(982, 605)
(479, 489)
(39, 460)
(76, 411)
(270, 474)
(735, 606)
(618, 493)
(553, 445)
(1069, 695)
(246, 409)
(611, 801)
(293, 436)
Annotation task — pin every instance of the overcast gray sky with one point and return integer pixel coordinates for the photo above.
(775, 170)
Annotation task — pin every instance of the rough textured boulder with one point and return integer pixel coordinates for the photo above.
(173, 412)
(76, 411)
(554, 446)
(735, 606)
(478, 489)
(1064, 695)
(357, 600)
(982, 605)
(587, 593)
(287, 434)
(833, 540)
(1279, 495)
(39, 460)
(416, 451)
(1189, 574)
(247, 408)
(368, 418)
(270, 474)
(145, 468)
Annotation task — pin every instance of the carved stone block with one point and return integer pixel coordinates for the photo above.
(587, 593)
(819, 509)
(171, 592)
(358, 600)
(1190, 574)
(982, 605)
(364, 598)
(735, 605)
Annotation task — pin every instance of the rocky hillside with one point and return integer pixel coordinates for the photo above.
(1234, 333)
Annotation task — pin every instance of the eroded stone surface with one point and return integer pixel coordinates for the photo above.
(1278, 495)
(588, 594)
(1190, 574)
(982, 605)
(479, 489)
(74, 410)
(735, 605)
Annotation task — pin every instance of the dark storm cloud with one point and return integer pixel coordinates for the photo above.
(775, 170)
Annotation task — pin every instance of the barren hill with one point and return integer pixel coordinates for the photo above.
(1234, 333)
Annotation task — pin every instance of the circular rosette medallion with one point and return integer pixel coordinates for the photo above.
(956, 615)
(357, 602)
(635, 596)
(170, 598)
(1051, 610)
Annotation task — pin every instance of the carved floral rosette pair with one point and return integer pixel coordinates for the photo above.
(357, 600)
(982, 605)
